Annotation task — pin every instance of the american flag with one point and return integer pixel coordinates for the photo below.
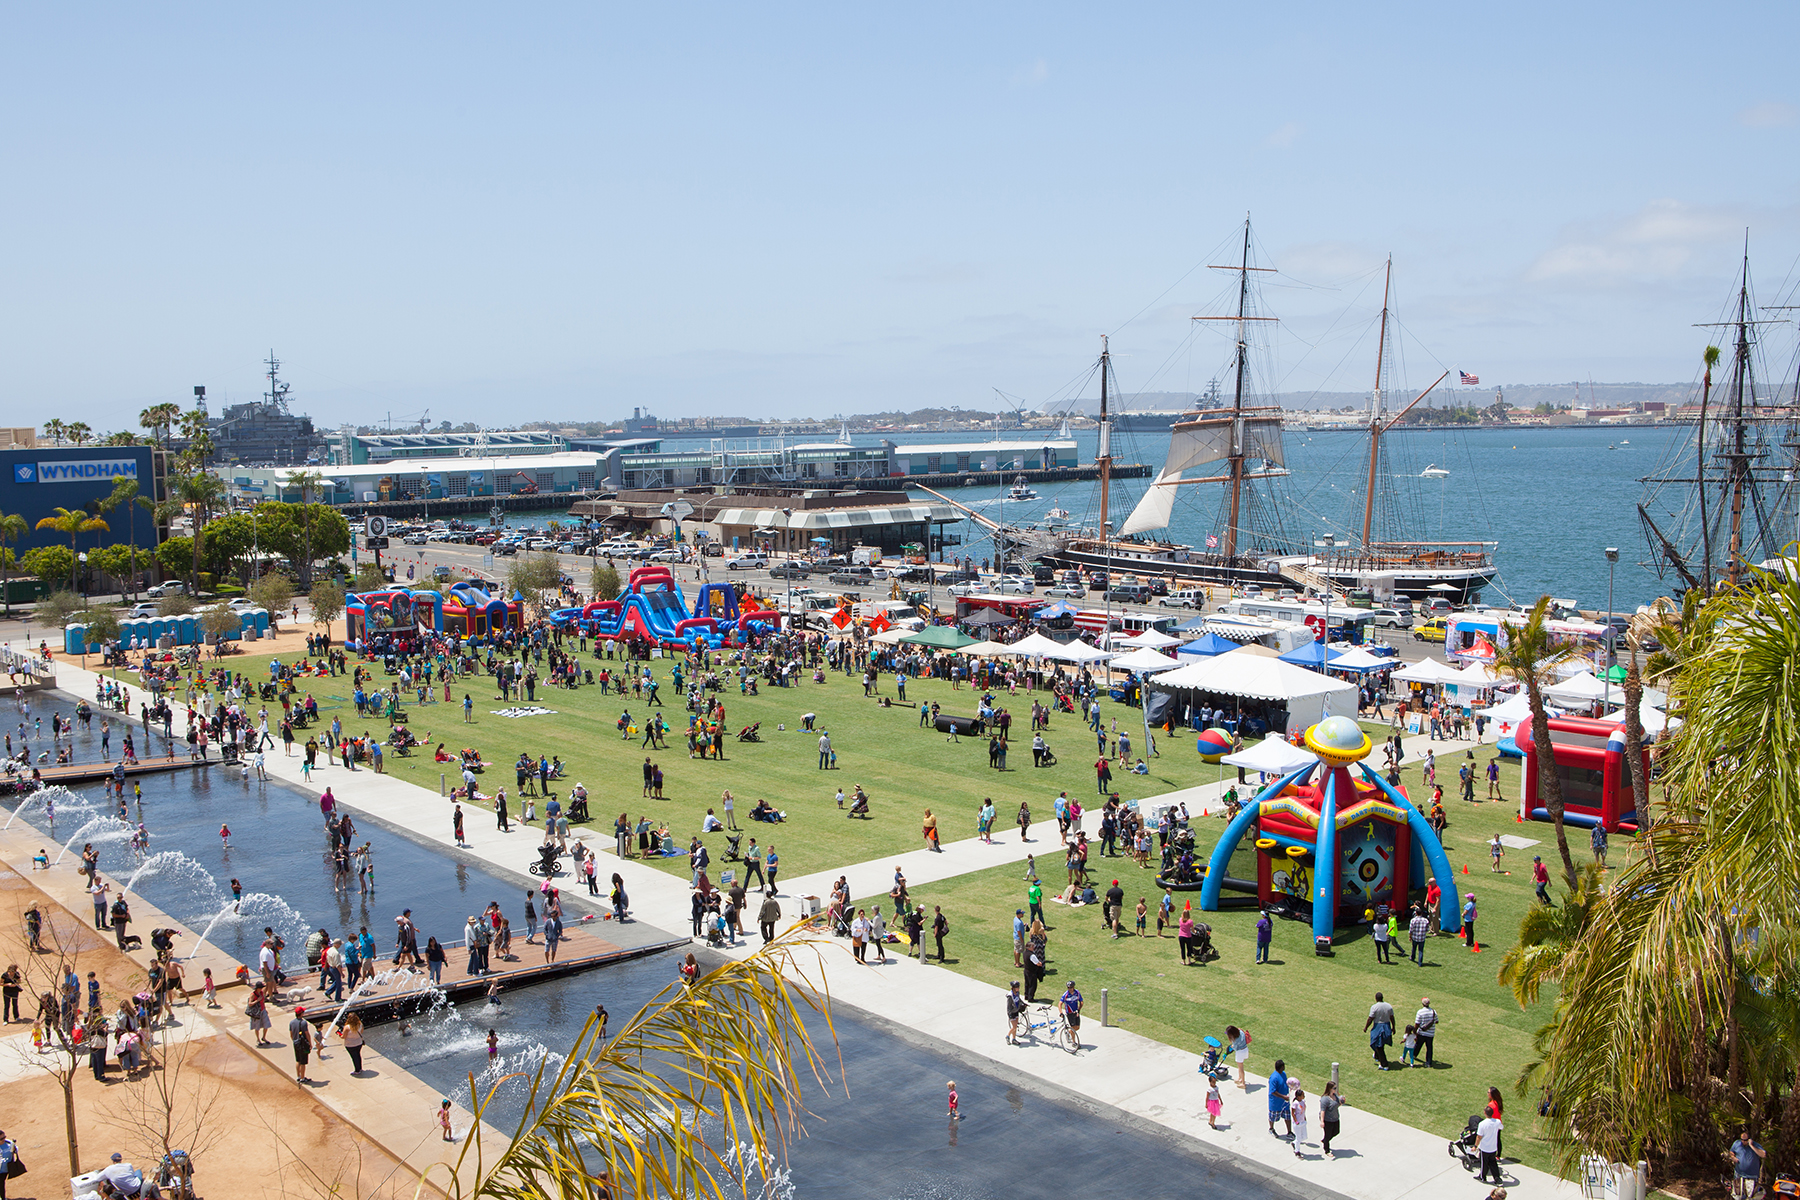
(1212, 541)
(1468, 379)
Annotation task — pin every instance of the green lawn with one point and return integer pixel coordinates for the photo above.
(903, 768)
(1300, 1007)
(1306, 1009)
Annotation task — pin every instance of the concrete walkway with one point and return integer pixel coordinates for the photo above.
(1378, 1159)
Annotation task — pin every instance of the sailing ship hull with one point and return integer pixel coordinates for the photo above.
(1167, 559)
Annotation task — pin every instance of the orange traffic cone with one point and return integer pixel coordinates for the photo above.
(1465, 868)
(1519, 818)
(1203, 812)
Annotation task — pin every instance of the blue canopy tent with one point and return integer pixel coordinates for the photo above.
(1210, 645)
(1062, 608)
(1314, 656)
(1194, 624)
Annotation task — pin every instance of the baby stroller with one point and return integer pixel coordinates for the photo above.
(1049, 759)
(732, 853)
(1212, 1066)
(859, 806)
(1465, 1147)
(751, 733)
(549, 863)
(176, 1176)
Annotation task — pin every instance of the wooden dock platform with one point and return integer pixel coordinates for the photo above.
(94, 772)
(579, 950)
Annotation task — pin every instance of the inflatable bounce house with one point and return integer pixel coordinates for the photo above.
(468, 610)
(1331, 846)
(652, 609)
(1595, 772)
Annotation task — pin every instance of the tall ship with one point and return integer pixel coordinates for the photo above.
(1237, 448)
(1728, 498)
(1386, 566)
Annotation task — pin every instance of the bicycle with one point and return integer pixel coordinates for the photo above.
(1052, 1023)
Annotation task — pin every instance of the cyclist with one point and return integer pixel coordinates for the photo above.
(1070, 1003)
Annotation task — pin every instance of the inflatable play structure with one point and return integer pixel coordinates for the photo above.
(652, 609)
(1595, 772)
(468, 610)
(1331, 846)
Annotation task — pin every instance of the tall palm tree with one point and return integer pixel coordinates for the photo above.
(79, 432)
(309, 483)
(159, 422)
(55, 430)
(73, 522)
(197, 493)
(12, 528)
(1546, 937)
(1530, 655)
(125, 491)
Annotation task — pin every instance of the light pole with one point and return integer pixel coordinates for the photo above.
(1612, 563)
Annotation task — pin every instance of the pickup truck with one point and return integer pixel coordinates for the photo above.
(863, 575)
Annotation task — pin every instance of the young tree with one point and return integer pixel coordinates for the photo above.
(309, 483)
(220, 622)
(64, 939)
(175, 604)
(369, 578)
(1531, 656)
(327, 599)
(102, 627)
(54, 565)
(273, 592)
(603, 581)
(57, 609)
(532, 576)
(175, 1106)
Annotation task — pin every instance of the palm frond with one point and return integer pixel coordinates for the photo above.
(659, 1109)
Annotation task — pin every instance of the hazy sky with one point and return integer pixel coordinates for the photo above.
(506, 212)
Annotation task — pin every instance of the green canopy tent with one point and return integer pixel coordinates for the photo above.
(939, 637)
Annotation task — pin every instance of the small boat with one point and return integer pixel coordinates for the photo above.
(1021, 490)
(1058, 515)
(1625, 443)
(1433, 471)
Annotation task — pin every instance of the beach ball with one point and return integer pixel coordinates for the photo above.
(1213, 744)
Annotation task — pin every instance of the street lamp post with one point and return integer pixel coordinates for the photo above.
(1612, 563)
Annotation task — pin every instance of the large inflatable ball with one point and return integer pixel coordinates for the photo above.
(1339, 741)
(1213, 744)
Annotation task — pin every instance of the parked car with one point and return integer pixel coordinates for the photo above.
(1097, 581)
(666, 556)
(1434, 630)
(1066, 591)
(713, 550)
(173, 587)
(853, 575)
(1014, 585)
(1130, 594)
(789, 571)
(241, 604)
(140, 611)
(413, 539)
(1392, 618)
(748, 562)
(962, 589)
(1185, 598)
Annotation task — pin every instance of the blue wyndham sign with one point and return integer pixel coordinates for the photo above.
(74, 470)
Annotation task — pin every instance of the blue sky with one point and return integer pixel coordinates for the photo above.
(507, 212)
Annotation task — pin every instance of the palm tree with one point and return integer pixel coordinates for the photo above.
(159, 421)
(631, 1115)
(54, 429)
(198, 494)
(79, 432)
(125, 491)
(1530, 655)
(308, 482)
(12, 528)
(73, 522)
(1546, 936)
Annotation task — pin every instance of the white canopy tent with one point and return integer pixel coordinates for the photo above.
(1144, 662)
(1653, 720)
(1474, 674)
(986, 650)
(1253, 677)
(1429, 671)
(1581, 689)
(1034, 645)
(1150, 639)
(1271, 756)
(1079, 653)
(891, 636)
(1512, 710)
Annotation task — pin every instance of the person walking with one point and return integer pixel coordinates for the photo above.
(1487, 1135)
(1380, 1028)
(456, 824)
(1265, 934)
(1034, 899)
(1540, 875)
(352, 1033)
(915, 932)
(1425, 1023)
(1597, 842)
(1468, 923)
(500, 821)
(300, 1034)
(767, 917)
(1746, 1168)
(940, 929)
(1379, 919)
(1330, 1100)
(1278, 1098)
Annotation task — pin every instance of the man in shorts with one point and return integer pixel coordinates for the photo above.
(1015, 1010)
(300, 1033)
(1747, 1162)
(1070, 1001)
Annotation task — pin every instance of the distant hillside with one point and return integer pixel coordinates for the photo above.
(1526, 395)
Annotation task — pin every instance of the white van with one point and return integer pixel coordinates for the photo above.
(865, 556)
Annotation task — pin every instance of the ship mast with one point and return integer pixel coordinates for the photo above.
(1375, 408)
(1237, 401)
(1740, 460)
(1103, 459)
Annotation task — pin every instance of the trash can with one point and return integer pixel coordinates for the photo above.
(809, 906)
